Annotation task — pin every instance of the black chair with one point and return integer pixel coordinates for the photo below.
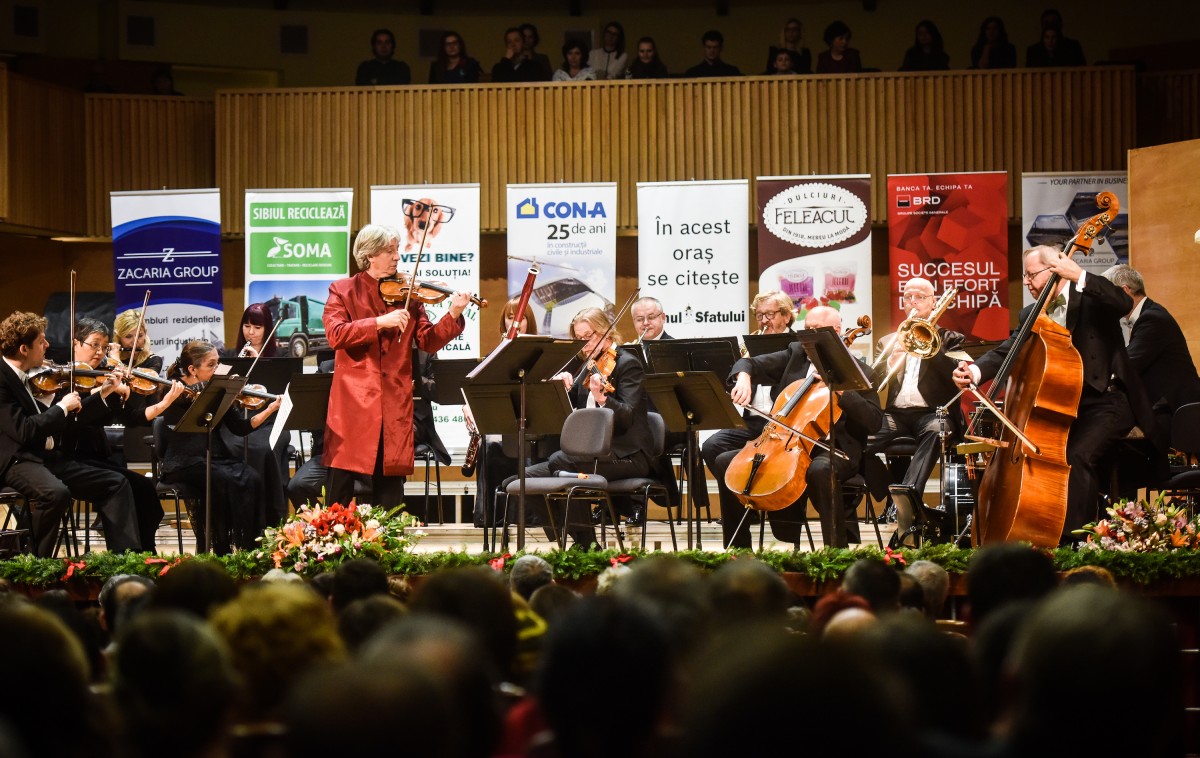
(176, 492)
(14, 536)
(586, 439)
(1184, 482)
(426, 453)
(643, 488)
(854, 492)
(680, 452)
(896, 455)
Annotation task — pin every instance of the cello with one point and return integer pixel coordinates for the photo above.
(1023, 492)
(768, 473)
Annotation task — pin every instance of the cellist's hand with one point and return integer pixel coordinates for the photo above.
(742, 391)
(963, 376)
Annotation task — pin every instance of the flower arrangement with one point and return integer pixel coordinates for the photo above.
(1141, 527)
(324, 537)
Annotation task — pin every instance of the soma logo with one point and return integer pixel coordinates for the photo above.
(529, 208)
(286, 249)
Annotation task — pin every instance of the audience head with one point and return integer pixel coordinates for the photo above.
(173, 684)
(647, 51)
(1052, 19)
(528, 573)
(992, 30)
(575, 54)
(837, 32)
(1089, 575)
(829, 606)
(479, 598)
(194, 586)
(677, 594)
(453, 47)
(359, 620)
(713, 42)
(876, 582)
(935, 585)
(928, 37)
(551, 601)
(1008, 571)
(793, 30)
(530, 36)
(356, 579)
(614, 37)
(383, 44)
(746, 590)
(116, 591)
(514, 42)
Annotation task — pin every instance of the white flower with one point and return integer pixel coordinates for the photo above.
(363, 509)
(373, 523)
(339, 529)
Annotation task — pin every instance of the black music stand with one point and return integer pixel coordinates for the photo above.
(309, 394)
(841, 372)
(716, 355)
(761, 344)
(203, 416)
(272, 373)
(448, 377)
(500, 390)
(692, 401)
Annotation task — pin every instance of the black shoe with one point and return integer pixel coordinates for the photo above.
(636, 518)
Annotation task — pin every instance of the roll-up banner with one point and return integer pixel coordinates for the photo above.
(446, 217)
(297, 242)
(814, 243)
(952, 229)
(169, 242)
(1054, 206)
(693, 255)
(571, 232)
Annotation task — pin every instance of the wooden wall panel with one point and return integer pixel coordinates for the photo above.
(5, 183)
(1168, 107)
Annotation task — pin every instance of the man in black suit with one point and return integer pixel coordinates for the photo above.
(861, 417)
(649, 319)
(31, 459)
(1112, 400)
(914, 392)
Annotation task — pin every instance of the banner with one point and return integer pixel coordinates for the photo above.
(169, 242)
(952, 229)
(814, 242)
(693, 255)
(571, 231)
(297, 242)
(447, 218)
(1053, 206)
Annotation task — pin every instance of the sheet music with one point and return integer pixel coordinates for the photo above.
(281, 415)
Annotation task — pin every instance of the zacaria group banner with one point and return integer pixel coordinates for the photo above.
(693, 255)
(952, 229)
(441, 223)
(1054, 206)
(169, 243)
(297, 242)
(814, 242)
(571, 231)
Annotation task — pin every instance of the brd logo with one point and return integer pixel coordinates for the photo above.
(286, 249)
(528, 208)
(926, 200)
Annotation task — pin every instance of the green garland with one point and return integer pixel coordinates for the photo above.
(819, 566)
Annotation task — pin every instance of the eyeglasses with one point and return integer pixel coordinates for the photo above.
(416, 209)
(647, 319)
(913, 297)
(95, 347)
(1031, 277)
(766, 315)
(585, 337)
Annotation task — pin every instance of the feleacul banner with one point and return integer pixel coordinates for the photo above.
(570, 230)
(297, 242)
(952, 229)
(1055, 206)
(169, 243)
(814, 243)
(693, 255)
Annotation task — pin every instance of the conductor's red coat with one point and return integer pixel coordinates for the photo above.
(372, 377)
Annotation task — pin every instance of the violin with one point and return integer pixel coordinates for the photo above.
(603, 365)
(400, 288)
(768, 474)
(54, 376)
(248, 399)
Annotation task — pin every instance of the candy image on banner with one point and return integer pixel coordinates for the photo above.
(814, 242)
(952, 229)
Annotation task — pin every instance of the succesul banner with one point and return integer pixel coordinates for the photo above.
(570, 230)
(170, 244)
(297, 242)
(814, 242)
(693, 254)
(952, 229)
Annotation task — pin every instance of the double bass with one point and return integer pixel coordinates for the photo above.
(768, 473)
(1023, 492)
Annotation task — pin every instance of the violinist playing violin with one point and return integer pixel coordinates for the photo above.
(622, 392)
(369, 428)
(1112, 400)
(860, 418)
(32, 460)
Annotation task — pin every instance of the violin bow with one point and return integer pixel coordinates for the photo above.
(412, 283)
(270, 336)
(611, 325)
(137, 332)
(71, 337)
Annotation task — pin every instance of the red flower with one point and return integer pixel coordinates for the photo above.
(498, 563)
(622, 558)
(72, 565)
(896, 556)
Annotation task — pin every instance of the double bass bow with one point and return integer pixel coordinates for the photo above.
(768, 473)
(1023, 492)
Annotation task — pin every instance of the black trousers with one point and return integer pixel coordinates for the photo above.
(147, 506)
(923, 425)
(1104, 419)
(578, 519)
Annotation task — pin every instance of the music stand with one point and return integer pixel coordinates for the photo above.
(716, 355)
(203, 416)
(448, 377)
(692, 401)
(519, 369)
(272, 373)
(761, 344)
(841, 372)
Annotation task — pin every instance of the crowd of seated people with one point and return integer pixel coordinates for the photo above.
(194, 664)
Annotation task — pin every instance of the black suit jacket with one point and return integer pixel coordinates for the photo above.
(861, 415)
(423, 408)
(1094, 319)
(1159, 353)
(935, 380)
(26, 424)
(631, 428)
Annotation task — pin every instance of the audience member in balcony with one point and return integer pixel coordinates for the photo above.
(647, 64)
(790, 44)
(992, 49)
(783, 65)
(574, 66)
(162, 83)
(452, 64)
(609, 61)
(383, 69)
(840, 58)
(1054, 49)
(531, 39)
(712, 65)
(927, 53)
(517, 65)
